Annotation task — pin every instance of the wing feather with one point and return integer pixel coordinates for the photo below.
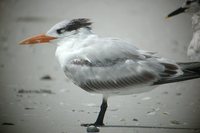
(113, 64)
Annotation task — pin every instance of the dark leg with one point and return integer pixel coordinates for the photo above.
(99, 121)
(104, 105)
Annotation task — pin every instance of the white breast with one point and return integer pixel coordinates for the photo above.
(71, 46)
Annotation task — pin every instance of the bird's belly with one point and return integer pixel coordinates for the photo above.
(108, 87)
(122, 91)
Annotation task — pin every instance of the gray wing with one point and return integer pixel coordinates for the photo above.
(104, 75)
(124, 67)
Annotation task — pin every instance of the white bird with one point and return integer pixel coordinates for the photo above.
(109, 66)
(192, 7)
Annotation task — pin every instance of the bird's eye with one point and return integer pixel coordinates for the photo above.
(60, 31)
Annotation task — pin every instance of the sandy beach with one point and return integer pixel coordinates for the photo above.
(36, 97)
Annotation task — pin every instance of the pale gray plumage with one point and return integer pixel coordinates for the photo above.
(112, 66)
(194, 47)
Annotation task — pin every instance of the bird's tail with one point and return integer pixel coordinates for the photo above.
(191, 70)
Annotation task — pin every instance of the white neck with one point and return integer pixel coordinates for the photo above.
(68, 45)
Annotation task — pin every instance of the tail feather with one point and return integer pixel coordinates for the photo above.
(189, 65)
(191, 70)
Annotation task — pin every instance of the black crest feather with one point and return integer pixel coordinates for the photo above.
(75, 24)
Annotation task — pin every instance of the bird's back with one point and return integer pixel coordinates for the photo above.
(107, 65)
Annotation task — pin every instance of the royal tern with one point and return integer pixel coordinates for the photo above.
(109, 66)
(192, 7)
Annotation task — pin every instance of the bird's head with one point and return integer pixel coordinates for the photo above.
(62, 29)
(189, 6)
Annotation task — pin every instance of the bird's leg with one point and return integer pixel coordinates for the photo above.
(99, 121)
(104, 105)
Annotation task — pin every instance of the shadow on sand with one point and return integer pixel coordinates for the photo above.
(154, 127)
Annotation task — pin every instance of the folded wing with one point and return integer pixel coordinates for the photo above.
(115, 64)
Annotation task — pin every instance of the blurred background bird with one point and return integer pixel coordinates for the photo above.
(192, 7)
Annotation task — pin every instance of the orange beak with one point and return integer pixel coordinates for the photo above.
(42, 38)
